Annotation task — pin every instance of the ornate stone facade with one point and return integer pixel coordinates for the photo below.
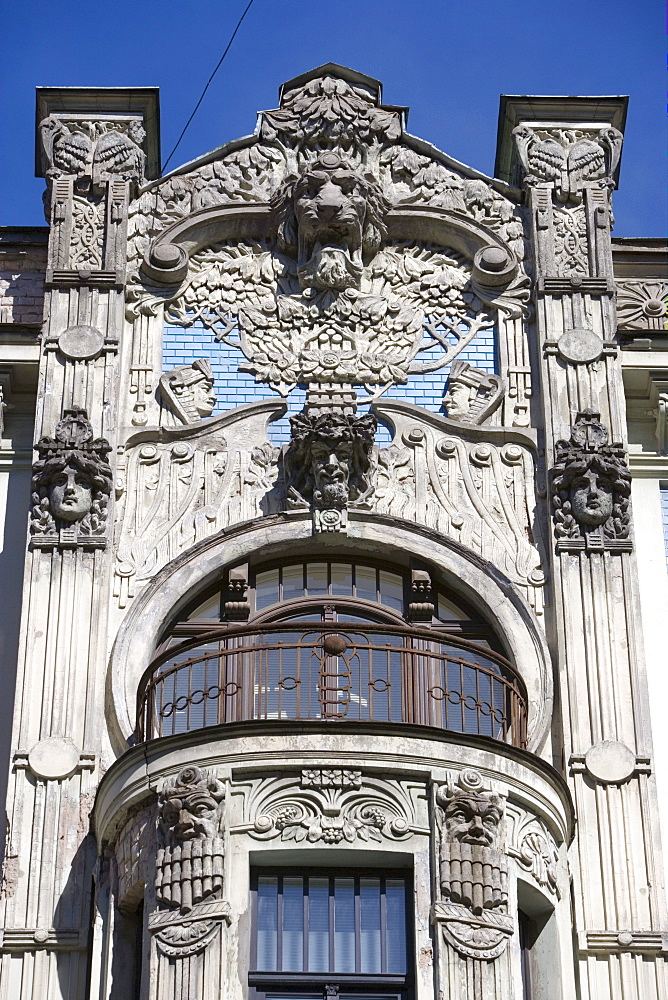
(372, 623)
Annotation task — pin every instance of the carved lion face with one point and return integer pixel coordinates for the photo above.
(332, 216)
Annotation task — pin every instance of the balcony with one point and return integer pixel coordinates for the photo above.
(294, 672)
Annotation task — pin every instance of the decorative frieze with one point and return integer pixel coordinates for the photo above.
(330, 805)
(71, 485)
(591, 488)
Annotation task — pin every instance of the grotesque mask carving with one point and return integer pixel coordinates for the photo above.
(472, 394)
(191, 807)
(473, 906)
(188, 391)
(71, 483)
(329, 458)
(471, 816)
(591, 486)
(332, 218)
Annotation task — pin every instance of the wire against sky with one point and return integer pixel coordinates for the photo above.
(220, 63)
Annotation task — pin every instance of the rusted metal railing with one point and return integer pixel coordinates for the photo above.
(291, 671)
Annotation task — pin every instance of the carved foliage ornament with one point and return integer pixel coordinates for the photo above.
(327, 464)
(473, 908)
(331, 806)
(71, 484)
(568, 159)
(591, 487)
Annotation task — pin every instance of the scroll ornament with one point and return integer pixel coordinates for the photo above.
(71, 485)
(473, 908)
(189, 864)
(591, 487)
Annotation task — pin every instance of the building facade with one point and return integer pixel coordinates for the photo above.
(333, 473)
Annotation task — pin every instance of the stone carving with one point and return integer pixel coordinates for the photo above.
(472, 395)
(591, 487)
(327, 464)
(189, 864)
(87, 236)
(71, 485)
(92, 151)
(412, 299)
(331, 805)
(331, 218)
(568, 159)
(570, 241)
(473, 877)
(473, 484)
(641, 305)
(188, 391)
(535, 851)
(188, 483)
(329, 109)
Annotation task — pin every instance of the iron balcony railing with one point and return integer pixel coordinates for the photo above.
(291, 671)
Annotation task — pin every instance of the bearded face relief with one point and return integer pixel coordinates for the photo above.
(191, 807)
(330, 467)
(332, 217)
(70, 494)
(591, 498)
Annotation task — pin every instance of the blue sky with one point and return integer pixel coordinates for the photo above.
(448, 61)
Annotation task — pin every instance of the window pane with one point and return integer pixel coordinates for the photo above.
(365, 583)
(267, 923)
(395, 908)
(318, 925)
(370, 925)
(266, 589)
(447, 611)
(344, 925)
(342, 579)
(316, 579)
(391, 590)
(293, 582)
(293, 925)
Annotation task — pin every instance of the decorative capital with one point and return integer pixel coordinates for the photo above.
(71, 485)
(568, 159)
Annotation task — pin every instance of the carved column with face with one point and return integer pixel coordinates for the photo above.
(190, 828)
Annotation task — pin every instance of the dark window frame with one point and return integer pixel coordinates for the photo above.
(384, 986)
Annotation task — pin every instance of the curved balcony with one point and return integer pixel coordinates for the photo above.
(290, 671)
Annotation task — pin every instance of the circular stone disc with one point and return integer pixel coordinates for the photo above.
(610, 762)
(81, 343)
(55, 758)
(580, 347)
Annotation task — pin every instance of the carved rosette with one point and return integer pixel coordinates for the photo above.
(641, 305)
(71, 485)
(331, 806)
(473, 872)
(189, 872)
(591, 488)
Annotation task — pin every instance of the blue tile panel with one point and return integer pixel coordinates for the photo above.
(664, 517)
(183, 345)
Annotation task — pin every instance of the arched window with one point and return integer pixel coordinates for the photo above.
(331, 639)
